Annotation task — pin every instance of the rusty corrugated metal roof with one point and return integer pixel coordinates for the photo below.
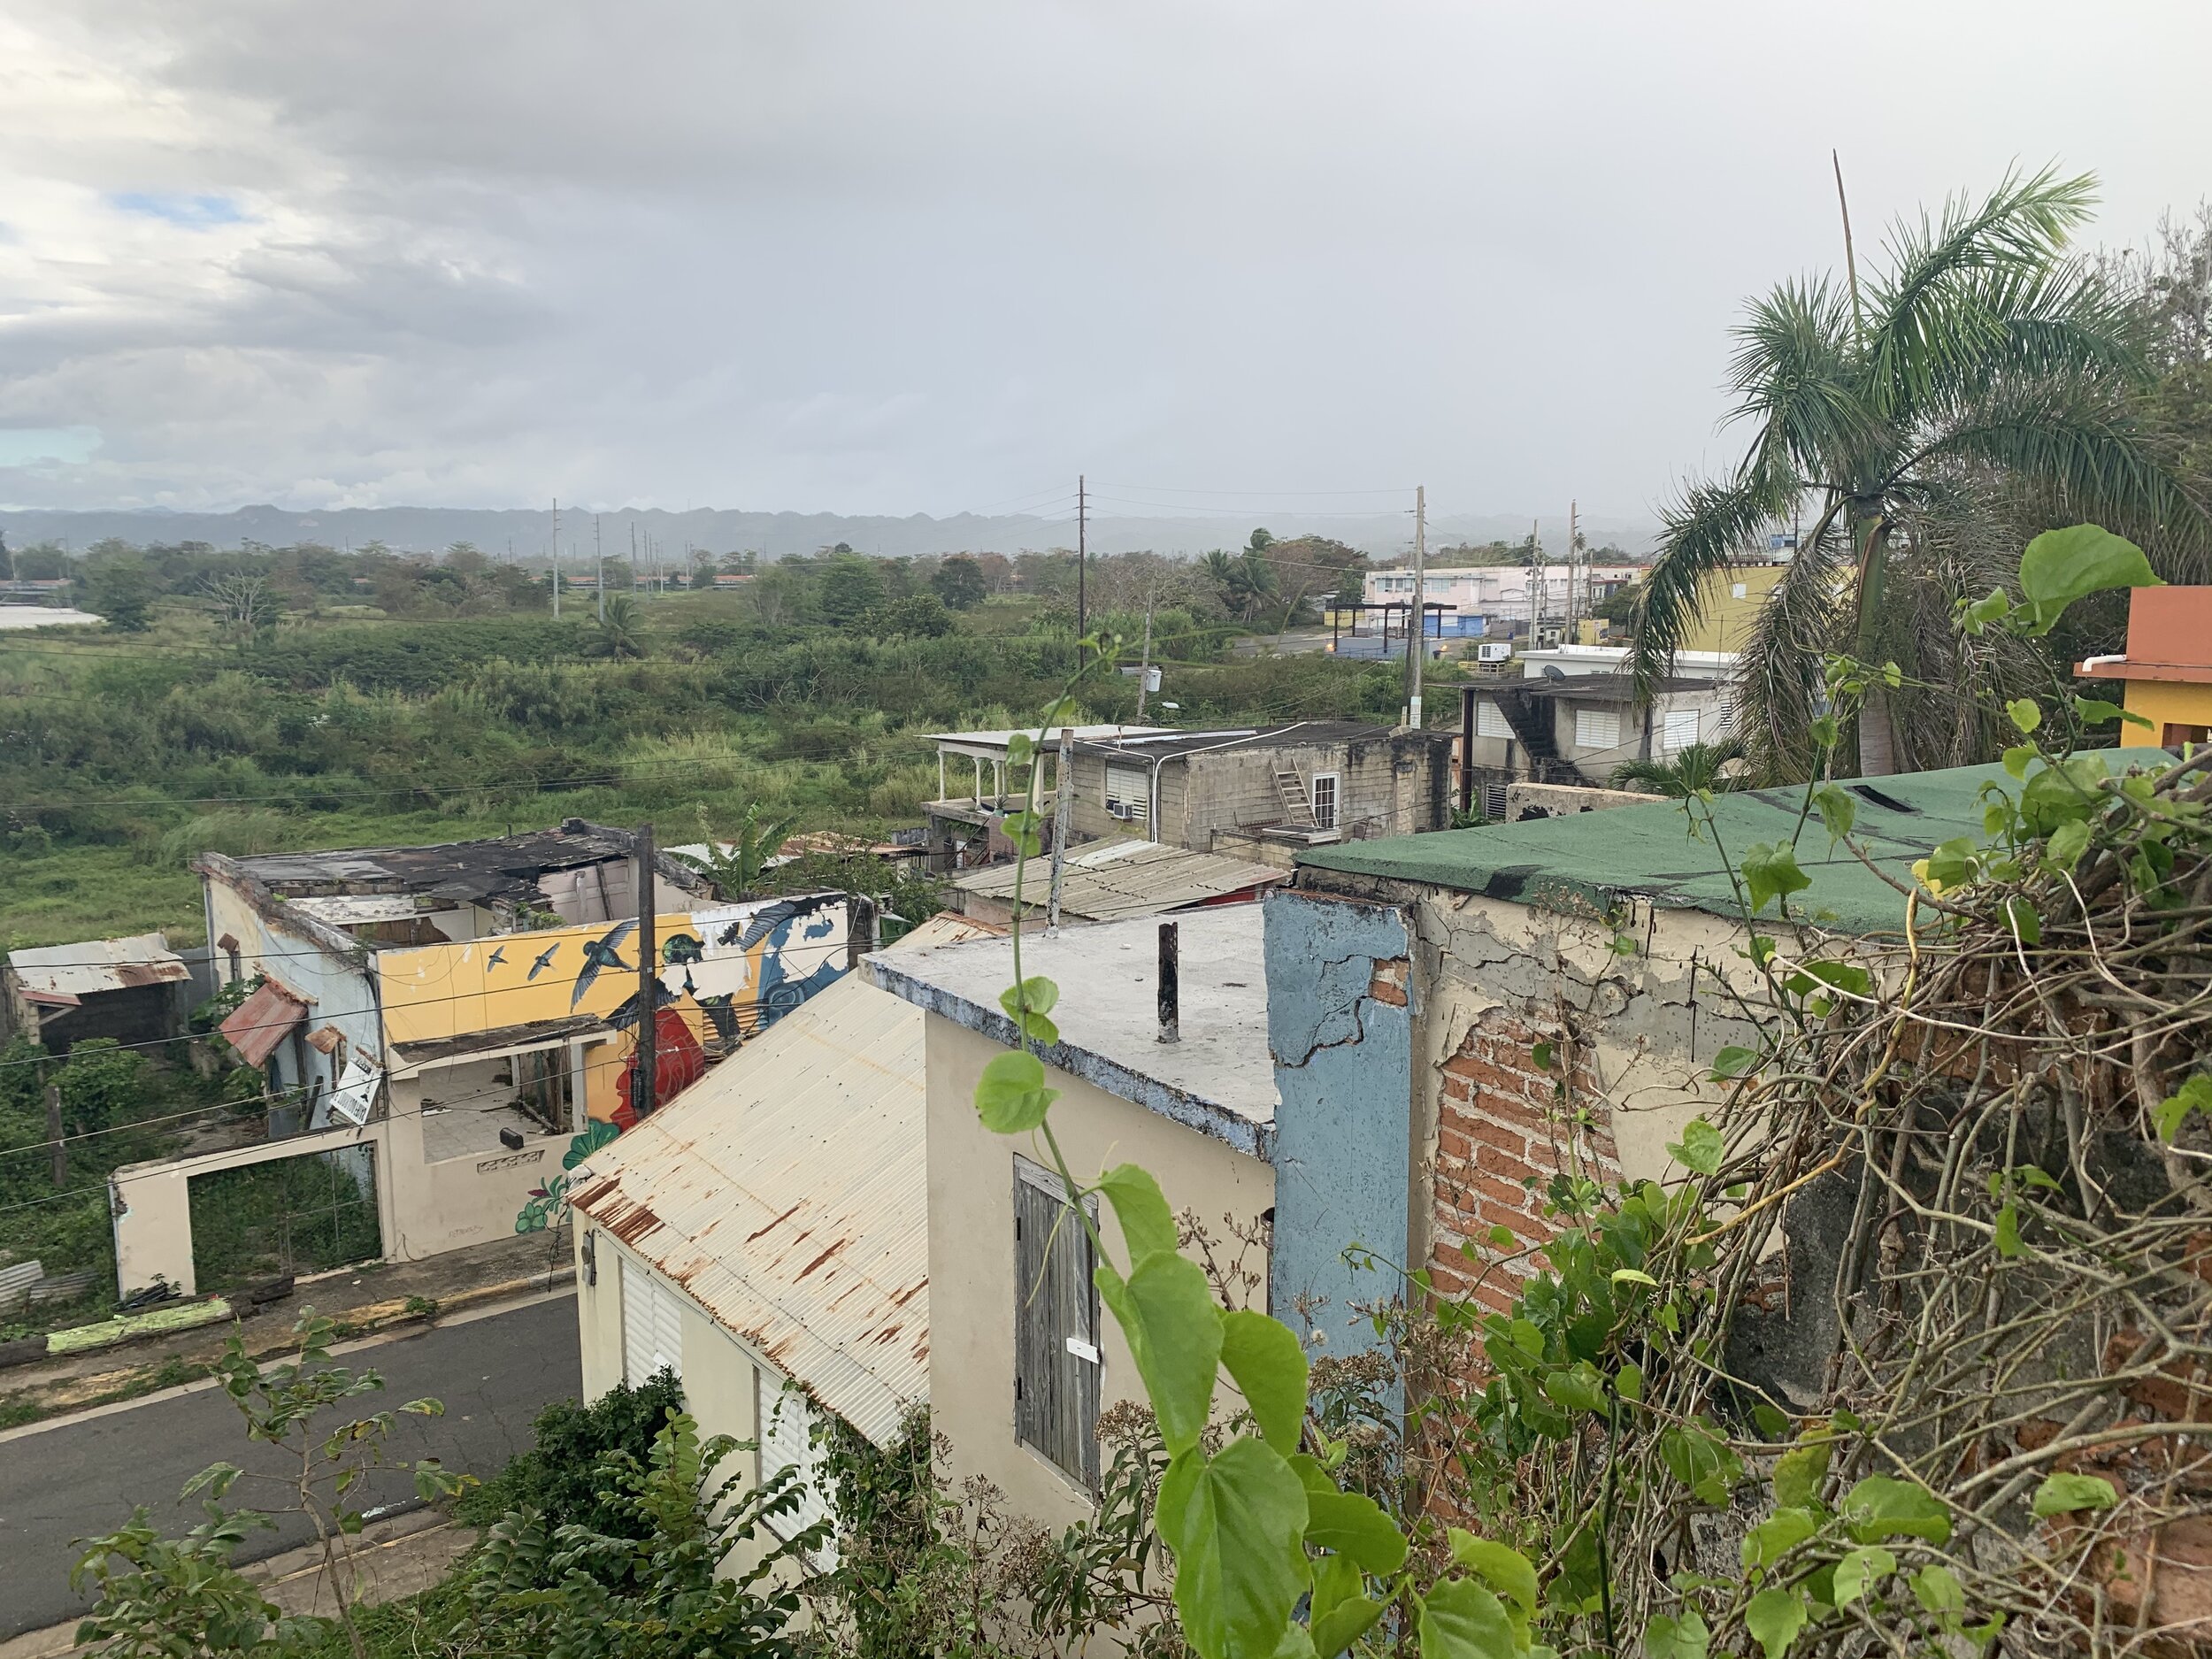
(1121, 877)
(785, 1194)
(94, 965)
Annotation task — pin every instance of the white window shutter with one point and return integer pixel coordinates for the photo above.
(1490, 720)
(652, 1325)
(1128, 793)
(1597, 728)
(786, 1422)
(1680, 728)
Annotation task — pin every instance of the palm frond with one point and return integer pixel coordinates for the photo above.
(1779, 679)
(1927, 330)
(2075, 451)
(1700, 766)
(1793, 370)
(1705, 528)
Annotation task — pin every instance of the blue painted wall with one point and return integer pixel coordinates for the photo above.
(1343, 1131)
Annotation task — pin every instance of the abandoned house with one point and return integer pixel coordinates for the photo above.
(134, 990)
(1112, 879)
(436, 1025)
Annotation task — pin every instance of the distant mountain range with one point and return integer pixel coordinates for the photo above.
(527, 533)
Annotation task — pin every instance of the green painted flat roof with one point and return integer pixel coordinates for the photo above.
(1588, 862)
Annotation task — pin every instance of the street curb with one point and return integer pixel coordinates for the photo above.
(536, 1284)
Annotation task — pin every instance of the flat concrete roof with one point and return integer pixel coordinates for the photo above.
(1219, 1079)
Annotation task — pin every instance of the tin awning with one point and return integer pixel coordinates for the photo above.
(262, 1021)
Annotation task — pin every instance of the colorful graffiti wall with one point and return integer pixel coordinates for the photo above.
(724, 975)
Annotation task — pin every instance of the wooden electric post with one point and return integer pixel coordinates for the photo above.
(646, 1062)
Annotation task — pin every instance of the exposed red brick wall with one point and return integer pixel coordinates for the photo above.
(1502, 1124)
(1389, 983)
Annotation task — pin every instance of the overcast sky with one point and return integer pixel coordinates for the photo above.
(933, 255)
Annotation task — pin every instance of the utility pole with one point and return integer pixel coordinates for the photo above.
(634, 556)
(1574, 559)
(60, 1171)
(1418, 635)
(599, 557)
(1082, 561)
(1535, 582)
(1144, 668)
(645, 1056)
(557, 558)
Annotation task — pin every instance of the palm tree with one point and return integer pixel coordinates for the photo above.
(1694, 770)
(1245, 579)
(736, 865)
(619, 629)
(1977, 386)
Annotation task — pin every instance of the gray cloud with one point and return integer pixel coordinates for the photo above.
(885, 259)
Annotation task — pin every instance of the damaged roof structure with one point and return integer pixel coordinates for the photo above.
(1117, 877)
(131, 989)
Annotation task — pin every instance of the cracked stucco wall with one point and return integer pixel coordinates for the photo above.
(1340, 1030)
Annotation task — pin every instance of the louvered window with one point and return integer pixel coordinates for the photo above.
(1127, 794)
(652, 1325)
(1057, 1365)
(1490, 720)
(786, 1441)
(1680, 729)
(1597, 728)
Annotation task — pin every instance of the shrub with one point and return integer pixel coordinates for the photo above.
(559, 1477)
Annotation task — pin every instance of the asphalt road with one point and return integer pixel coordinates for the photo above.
(79, 1478)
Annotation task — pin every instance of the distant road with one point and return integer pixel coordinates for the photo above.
(80, 1477)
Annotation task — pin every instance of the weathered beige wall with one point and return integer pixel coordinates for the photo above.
(150, 1204)
(971, 1279)
(598, 1308)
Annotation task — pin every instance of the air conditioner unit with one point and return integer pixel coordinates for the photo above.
(1121, 810)
(1494, 652)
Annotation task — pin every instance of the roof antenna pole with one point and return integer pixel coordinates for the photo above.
(1171, 985)
(1418, 635)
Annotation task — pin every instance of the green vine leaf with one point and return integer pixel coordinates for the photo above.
(1700, 1148)
(2060, 566)
(1771, 872)
(2024, 714)
(1734, 1062)
(1010, 1096)
(1683, 1638)
(1027, 1004)
(1838, 810)
(1800, 1471)
(1880, 1507)
(1459, 1619)
(1503, 1568)
(1270, 1370)
(2067, 1495)
(1860, 1570)
(2173, 1111)
(1776, 1536)
(1174, 1332)
(2007, 1233)
(1774, 1617)
(1351, 1524)
(1235, 1522)
(1147, 1223)
(1936, 1588)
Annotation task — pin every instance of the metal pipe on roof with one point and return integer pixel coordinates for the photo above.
(1171, 984)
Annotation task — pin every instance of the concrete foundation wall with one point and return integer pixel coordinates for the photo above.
(972, 1289)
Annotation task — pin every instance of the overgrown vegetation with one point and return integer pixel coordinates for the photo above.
(807, 694)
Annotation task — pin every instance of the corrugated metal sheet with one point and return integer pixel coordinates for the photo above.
(94, 965)
(1119, 878)
(262, 1021)
(785, 1193)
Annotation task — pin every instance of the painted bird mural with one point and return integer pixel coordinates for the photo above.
(495, 958)
(681, 950)
(545, 960)
(603, 952)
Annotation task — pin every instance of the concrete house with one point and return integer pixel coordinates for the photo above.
(134, 990)
(1511, 936)
(438, 1025)
(763, 1238)
(2166, 670)
(1260, 793)
(1575, 730)
(961, 824)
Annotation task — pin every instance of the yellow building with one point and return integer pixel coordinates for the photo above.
(2167, 668)
(1731, 601)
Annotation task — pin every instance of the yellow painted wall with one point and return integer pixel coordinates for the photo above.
(445, 990)
(1727, 622)
(2159, 702)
